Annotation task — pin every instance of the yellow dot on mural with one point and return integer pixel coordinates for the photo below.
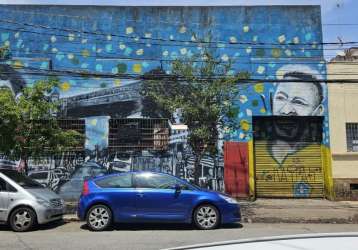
(65, 86)
(263, 110)
(94, 122)
(7, 43)
(182, 29)
(129, 30)
(246, 28)
(18, 64)
(85, 53)
(117, 82)
(276, 52)
(245, 125)
(137, 68)
(259, 87)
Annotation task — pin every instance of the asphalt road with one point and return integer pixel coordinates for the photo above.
(75, 235)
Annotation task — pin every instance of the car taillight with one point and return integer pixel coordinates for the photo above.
(85, 189)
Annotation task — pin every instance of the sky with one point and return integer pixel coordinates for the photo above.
(339, 17)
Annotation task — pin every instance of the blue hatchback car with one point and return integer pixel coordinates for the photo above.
(152, 197)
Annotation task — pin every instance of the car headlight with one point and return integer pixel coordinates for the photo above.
(43, 202)
(228, 199)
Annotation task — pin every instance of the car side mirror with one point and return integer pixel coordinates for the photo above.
(177, 188)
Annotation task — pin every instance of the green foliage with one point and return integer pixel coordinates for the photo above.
(203, 88)
(28, 127)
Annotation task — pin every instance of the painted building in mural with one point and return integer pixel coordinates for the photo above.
(282, 146)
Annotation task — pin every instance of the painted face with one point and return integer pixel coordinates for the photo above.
(297, 99)
(6, 84)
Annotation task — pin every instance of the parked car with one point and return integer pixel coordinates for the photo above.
(25, 202)
(71, 190)
(152, 197)
(315, 241)
(46, 178)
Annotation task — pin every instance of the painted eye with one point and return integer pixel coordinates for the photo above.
(298, 102)
(280, 97)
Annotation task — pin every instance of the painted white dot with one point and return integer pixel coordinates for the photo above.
(148, 45)
(171, 37)
(296, 40)
(261, 69)
(109, 37)
(99, 50)
(84, 41)
(183, 51)
(246, 28)
(71, 37)
(129, 30)
(54, 50)
(288, 52)
(193, 38)
(165, 53)
(243, 98)
(282, 38)
(255, 38)
(248, 50)
(225, 58)
(17, 35)
(7, 43)
(140, 52)
(53, 39)
(136, 39)
(182, 29)
(233, 39)
(70, 56)
(148, 35)
(248, 112)
(122, 46)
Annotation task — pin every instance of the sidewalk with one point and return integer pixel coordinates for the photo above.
(287, 211)
(299, 211)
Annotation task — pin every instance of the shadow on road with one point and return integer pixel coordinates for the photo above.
(48, 226)
(157, 226)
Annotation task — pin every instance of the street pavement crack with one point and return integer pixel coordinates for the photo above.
(23, 242)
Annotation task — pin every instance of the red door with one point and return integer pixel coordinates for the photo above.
(236, 169)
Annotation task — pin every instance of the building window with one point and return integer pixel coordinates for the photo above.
(352, 137)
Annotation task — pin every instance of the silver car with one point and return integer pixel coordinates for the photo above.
(25, 203)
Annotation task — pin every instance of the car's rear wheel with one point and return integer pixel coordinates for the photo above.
(99, 218)
(22, 219)
(206, 217)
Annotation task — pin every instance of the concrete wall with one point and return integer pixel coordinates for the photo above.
(343, 104)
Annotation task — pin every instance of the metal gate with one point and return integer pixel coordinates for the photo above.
(288, 165)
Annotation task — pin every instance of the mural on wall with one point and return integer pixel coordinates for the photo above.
(117, 45)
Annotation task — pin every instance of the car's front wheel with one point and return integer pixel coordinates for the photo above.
(99, 218)
(22, 219)
(206, 217)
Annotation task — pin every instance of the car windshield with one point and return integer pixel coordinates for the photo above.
(21, 179)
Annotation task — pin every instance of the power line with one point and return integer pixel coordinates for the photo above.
(168, 40)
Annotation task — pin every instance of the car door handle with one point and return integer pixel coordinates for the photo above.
(140, 194)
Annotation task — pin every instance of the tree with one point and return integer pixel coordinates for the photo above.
(28, 126)
(203, 89)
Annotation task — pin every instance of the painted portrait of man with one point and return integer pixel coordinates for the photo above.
(299, 92)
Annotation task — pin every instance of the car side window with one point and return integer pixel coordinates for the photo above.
(157, 181)
(116, 181)
(6, 187)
